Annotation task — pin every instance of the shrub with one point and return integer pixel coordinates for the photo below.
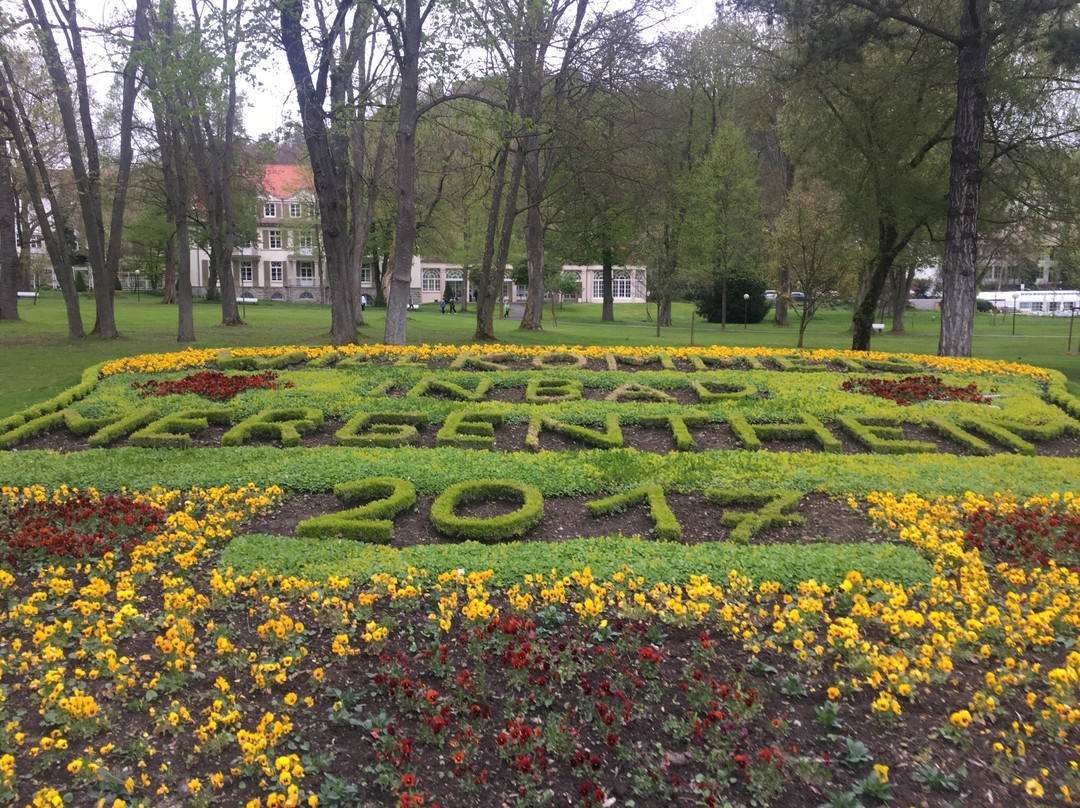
(385, 498)
(287, 425)
(387, 429)
(667, 526)
(490, 529)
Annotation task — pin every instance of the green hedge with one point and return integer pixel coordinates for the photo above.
(384, 498)
(490, 529)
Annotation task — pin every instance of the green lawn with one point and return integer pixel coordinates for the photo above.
(38, 361)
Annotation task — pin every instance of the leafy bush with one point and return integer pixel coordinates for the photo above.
(710, 299)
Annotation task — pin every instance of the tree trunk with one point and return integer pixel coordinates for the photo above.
(85, 167)
(329, 152)
(663, 313)
(533, 316)
(168, 282)
(185, 328)
(491, 272)
(497, 277)
(723, 302)
(405, 233)
(901, 290)
(783, 289)
(9, 253)
(890, 246)
(40, 190)
(607, 259)
(965, 180)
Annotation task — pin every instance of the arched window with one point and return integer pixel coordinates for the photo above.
(307, 296)
(431, 281)
(280, 296)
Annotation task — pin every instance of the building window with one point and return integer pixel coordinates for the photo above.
(431, 280)
(304, 239)
(305, 272)
(455, 282)
(270, 210)
(620, 284)
(365, 276)
(245, 272)
(274, 239)
(294, 210)
(276, 273)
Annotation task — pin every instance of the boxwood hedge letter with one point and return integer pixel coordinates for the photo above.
(384, 498)
(493, 528)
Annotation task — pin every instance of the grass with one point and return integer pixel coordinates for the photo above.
(39, 360)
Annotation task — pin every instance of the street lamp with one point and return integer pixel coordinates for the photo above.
(138, 288)
(1016, 296)
(745, 304)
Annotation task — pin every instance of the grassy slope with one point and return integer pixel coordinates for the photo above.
(38, 361)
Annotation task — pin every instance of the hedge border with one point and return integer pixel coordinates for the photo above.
(774, 510)
(174, 431)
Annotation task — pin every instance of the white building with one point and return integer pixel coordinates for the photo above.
(1043, 303)
(285, 261)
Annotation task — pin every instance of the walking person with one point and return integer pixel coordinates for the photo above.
(453, 301)
(442, 306)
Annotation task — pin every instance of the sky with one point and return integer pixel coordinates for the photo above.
(271, 103)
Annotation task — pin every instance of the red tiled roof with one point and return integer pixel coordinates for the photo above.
(285, 181)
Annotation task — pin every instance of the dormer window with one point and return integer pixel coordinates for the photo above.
(270, 210)
(294, 210)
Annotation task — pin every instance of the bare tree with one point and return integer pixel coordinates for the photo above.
(82, 143)
(9, 254)
(40, 188)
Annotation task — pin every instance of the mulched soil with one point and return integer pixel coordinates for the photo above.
(565, 518)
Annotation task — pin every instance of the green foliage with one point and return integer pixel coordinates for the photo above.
(30, 429)
(559, 360)
(662, 358)
(678, 424)
(65, 399)
(542, 390)
(655, 561)
(386, 429)
(114, 431)
(806, 428)
(433, 384)
(174, 431)
(285, 424)
(882, 434)
(774, 510)
(635, 391)
(612, 439)
(555, 473)
(490, 362)
(489, 529)
(226, 361)
(710, 391)
(957, 433)
(384, 498)
(667, 526)
(469, 429)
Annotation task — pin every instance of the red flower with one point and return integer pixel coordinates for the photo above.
(408, 780)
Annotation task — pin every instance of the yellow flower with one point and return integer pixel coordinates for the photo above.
(194, 786)
(833, 693)
(1033, 788)
(882, 772)
(961, 719)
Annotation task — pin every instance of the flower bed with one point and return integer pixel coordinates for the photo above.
(932, 663)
